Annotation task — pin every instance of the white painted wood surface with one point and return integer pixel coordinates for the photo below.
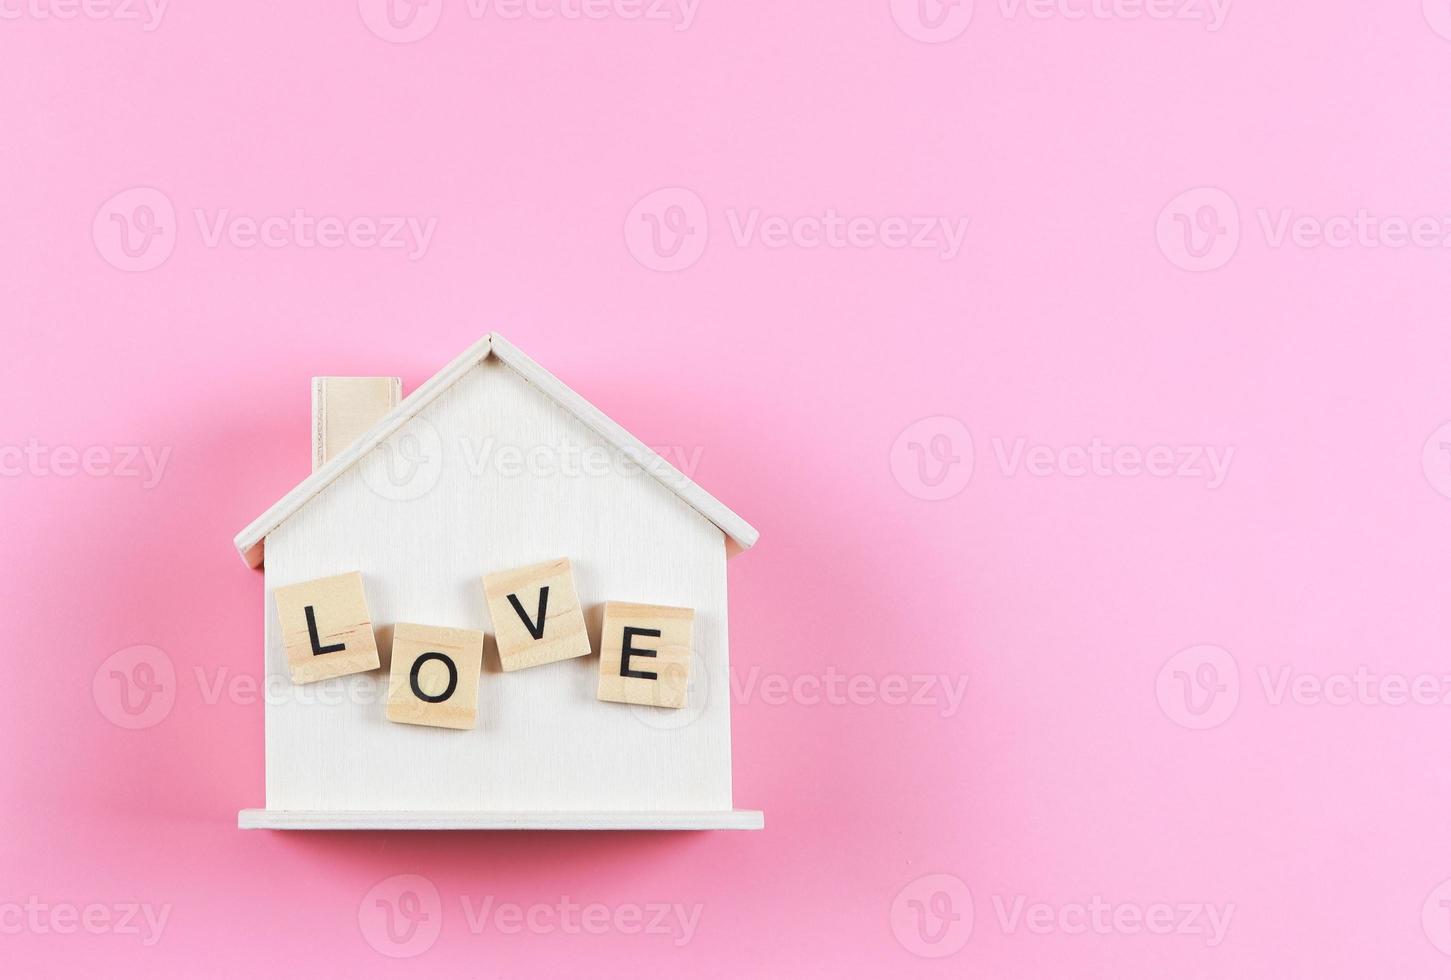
(544, 742)
(251, 540)
(465, 820)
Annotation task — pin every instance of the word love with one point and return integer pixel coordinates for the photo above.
(327, 631)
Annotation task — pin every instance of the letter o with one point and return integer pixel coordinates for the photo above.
(452, 678)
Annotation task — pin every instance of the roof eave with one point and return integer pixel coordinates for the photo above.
(251, 540)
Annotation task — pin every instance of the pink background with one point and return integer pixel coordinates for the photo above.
(1076, 766)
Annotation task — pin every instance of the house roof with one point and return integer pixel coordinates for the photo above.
(740, 535)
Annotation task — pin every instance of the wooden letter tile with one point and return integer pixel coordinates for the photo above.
(326, 629)
(434, 679)
(536, 614)
(645, 654)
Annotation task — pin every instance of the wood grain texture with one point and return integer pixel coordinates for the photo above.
(563, 635)
(656, 640)
(339, 621)
(447, 661)
(544, 741)
(344, 409)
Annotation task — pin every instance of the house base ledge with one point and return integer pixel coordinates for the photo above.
(500, 820)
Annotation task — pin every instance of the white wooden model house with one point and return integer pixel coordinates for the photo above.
(490, 606)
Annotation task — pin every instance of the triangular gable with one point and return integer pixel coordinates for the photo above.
(740, 535)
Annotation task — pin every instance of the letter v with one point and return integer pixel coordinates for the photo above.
(536, 630)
